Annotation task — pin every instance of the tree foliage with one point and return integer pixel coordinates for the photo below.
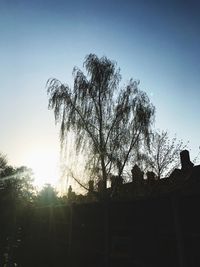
(16, 184)
(111, 122)
(163, 155)
(3, 163)
(47, 196)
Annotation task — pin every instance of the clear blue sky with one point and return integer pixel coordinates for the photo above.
(157, 42)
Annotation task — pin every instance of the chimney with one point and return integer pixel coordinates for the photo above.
(137, 174)
(91, 186)
(151, 176)
(185, 160)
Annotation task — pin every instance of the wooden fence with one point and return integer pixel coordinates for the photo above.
(162, 231)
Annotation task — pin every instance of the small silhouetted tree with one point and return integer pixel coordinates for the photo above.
(17, 185)
(3, 163)
(163, 155)
(16, 193)
(109, 121)
(47, 196)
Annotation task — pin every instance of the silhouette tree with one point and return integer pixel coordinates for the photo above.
(163, 155)
(17, 185)
(3, 163)
(47, 196)
(16, 194)
(108, 121)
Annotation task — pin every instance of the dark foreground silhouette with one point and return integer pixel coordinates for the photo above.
(159, 229)
(156, 232)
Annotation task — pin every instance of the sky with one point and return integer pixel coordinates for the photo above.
(157, 42)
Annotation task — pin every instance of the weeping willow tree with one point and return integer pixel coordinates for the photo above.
(109, 121)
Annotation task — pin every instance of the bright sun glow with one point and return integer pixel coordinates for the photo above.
(45, 166)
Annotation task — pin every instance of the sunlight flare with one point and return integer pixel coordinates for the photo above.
(45, 166)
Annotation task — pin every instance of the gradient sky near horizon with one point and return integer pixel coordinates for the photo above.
(157, 42)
